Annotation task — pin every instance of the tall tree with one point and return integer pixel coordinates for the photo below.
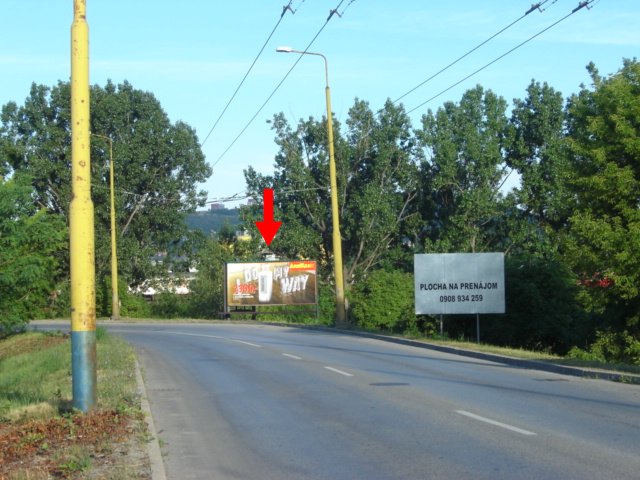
(379, 162)
(377, 165)
(157, 166)
(537, 152)
(603, 239)
(464, 171)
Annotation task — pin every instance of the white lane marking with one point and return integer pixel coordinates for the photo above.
(292, 356)
(245, 343)
(191, 334)
(339, 371)
(494, 422)
(211, 336)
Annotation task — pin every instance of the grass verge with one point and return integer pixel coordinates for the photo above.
(40, 434)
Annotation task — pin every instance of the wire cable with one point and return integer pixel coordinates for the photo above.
(277, 86)
(243, 196)
(582, 4)
(284, 10)
(534, 7)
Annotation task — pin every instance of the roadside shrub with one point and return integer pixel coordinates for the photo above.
(134, 306)
(385, 300)
(542, 308)
(611, 347)
(170, 305)
(586, 355)
(327, 304)
(617, 347)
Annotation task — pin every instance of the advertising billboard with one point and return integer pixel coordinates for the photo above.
(271, 283)
(451, 283)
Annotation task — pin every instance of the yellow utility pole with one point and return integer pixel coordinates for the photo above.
(115, 301)
(341, 317)
(81, 229)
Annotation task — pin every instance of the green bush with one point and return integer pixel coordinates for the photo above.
(616, 347)
(585, 355)
(385, 300)
(134, 306)
(326, 304)
(542, 308)
(610, 347)
(170, 305)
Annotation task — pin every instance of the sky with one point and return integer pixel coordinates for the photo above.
(193, 55)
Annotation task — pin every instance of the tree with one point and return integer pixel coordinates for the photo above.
(31, 240)
(377, 166)
(537, 152)
(464, 171)
(157, 167)
(208, 286)
(602, 242)
(381, 193)
(301, 199)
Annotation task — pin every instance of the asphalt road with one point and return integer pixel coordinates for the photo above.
(264, 402)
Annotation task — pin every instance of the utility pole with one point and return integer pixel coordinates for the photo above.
(115, 301)
(341, 314)
(81, 229)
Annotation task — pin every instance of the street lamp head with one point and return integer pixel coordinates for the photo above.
(284, 49)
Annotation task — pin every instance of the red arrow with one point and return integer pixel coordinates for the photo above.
(268, 227)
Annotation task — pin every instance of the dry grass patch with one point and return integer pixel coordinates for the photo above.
(42, 438)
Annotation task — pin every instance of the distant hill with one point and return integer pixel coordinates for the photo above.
(212, 221)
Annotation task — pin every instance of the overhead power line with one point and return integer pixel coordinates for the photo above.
(537, 6)
(331, 14)
(285, 9)
(243, 196)
(580, 6)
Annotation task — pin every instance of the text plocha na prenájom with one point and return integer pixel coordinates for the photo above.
(439, 286)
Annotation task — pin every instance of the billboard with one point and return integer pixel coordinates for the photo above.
(451, 283)
(270, 283)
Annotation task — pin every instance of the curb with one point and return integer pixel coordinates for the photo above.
(621, 377)
(153, 447)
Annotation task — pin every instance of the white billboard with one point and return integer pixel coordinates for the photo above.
(452, 283)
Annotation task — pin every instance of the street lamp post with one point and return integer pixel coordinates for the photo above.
(115, 302)
(337, 239)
